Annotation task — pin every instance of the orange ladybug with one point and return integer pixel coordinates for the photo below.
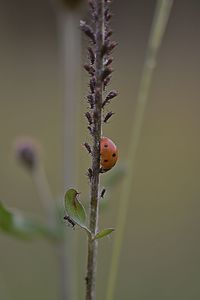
(109, 153)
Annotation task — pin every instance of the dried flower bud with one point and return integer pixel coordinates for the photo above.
(108, 15)
(106, 82)
(90, 130)
(111, 46)
(90, 100)
(88, 148)
(92, 84)
(91, 55)
(92, 7)
(89, 117)
(89, 69)
(110, 96)
(108, 61)
(89, 174)
(27, 152)
(88, 31)
(108, 34)
(108, 116)
(106, 72)
(108, 47)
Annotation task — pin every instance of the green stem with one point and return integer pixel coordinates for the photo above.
(159, 24)
(44, 193)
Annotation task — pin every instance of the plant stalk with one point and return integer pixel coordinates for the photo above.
(161, 16)
(44, 193)
(70, 47)
(94, 187)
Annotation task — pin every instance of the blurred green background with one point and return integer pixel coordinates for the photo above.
(160, 257)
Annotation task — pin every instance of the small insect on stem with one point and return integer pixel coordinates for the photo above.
(103, 193)
(69, 220)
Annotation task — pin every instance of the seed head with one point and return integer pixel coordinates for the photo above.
(27, 152)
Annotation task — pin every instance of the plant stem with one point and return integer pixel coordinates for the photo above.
(70, 39)
(70, 47)
(94, 188)
(44, 193)
(161, 16)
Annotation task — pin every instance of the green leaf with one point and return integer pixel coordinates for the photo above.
(103, 233)
(74, 208)
(17, 225)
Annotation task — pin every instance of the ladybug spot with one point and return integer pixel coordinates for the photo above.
(105, 160)
(114, 155)
(105, 145)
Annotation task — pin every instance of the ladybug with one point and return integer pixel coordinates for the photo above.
(109, 153)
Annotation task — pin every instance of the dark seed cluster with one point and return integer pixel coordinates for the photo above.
(90, 66)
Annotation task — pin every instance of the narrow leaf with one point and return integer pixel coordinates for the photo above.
(17, 225)
(103, 233)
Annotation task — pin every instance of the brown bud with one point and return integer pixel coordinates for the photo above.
(108, 61)
(108, 15)
(106, 82)
(90, 130)
(91, 4)
(91, 55)
(89, 117)
(89, 69)
(88, 148)
(89, 174)
(108, 116)
(27, 152)
(90, 99)
(92, 84)
(108, 34)
(88, 31)
(108, 47)
(110, 96)
(106, 72)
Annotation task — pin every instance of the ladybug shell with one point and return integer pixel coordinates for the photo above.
(109, 153)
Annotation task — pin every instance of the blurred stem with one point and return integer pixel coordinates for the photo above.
(159, 24)
(70, 48)
(70, 39)
(44, 193)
